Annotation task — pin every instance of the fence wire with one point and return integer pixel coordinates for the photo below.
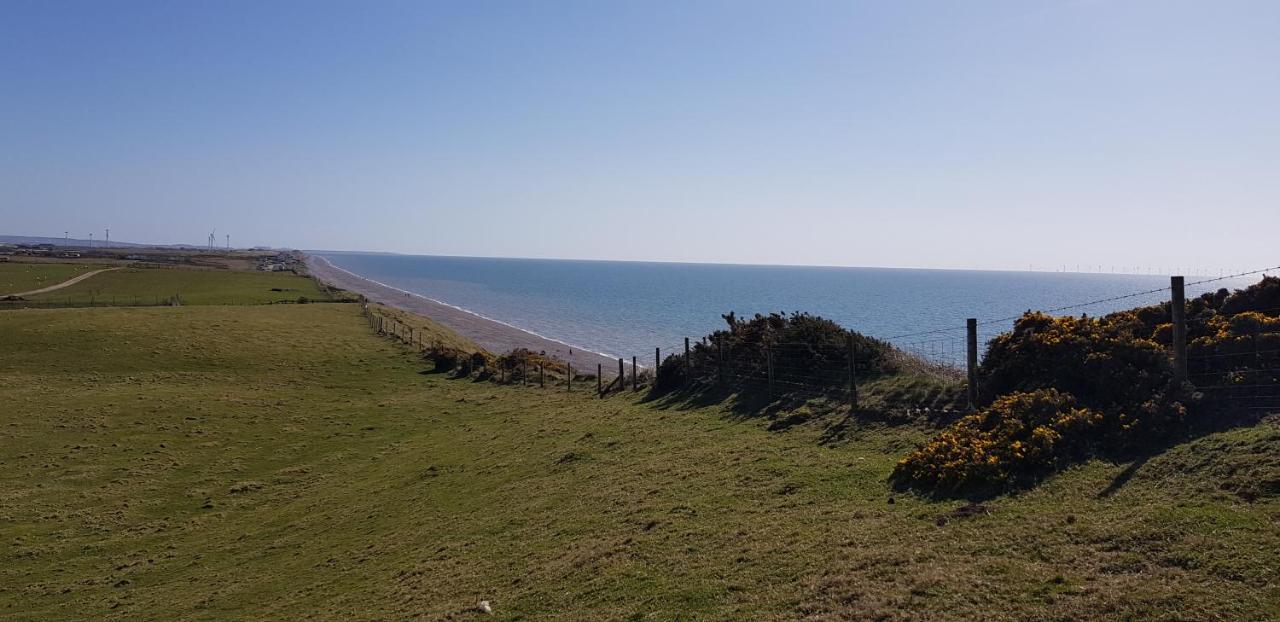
(1245, 373)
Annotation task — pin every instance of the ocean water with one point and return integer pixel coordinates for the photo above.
(628, 308)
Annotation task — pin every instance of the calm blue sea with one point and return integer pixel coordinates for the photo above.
(628, 308)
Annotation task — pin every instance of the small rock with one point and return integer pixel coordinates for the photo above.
(484, 606)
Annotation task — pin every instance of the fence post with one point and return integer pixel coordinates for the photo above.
(853, 385)
(635, 378)
(768, 355)
(1178, 307)
(568, 378)
(657, 363)
(600, 379)
(971, 328)
(686, 358)
(542, 376)
(524, 372)
(622, 376)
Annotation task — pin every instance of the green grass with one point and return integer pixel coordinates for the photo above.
(194, 286)
(16, 277)
(280, 462)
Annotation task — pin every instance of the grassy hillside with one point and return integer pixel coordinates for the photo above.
(429, 332)
(194, 286)
(16, 276)
(281, 462)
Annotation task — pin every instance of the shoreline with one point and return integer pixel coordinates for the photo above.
(494, 335)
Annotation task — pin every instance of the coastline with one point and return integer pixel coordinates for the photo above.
(493, 335)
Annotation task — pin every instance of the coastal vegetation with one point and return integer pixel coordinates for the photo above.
(806, 347)
(1061, 389)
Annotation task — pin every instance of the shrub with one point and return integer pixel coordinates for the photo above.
(444, 359)
(1109, 362)
(1116, 368)
(1018, 437)
(671, 373)
(805, 348)
(519, 361)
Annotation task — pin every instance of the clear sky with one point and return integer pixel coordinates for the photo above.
(895, 133)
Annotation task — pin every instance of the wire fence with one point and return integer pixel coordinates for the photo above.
(1244, 372)
(91, 301)
(1235, 359)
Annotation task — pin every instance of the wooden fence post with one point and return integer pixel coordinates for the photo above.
(657, 363)
(524, 372)
(600, 379)
(1178, 307)
(568, 378)
(622, 376)
(686, 357)
(635, 377)
(971, 328)
(542, 376)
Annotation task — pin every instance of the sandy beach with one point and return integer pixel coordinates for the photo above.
(491, 334)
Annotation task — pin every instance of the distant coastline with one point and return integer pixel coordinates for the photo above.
(494, 335)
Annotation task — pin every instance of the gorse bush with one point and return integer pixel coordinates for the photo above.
(1060, 389)
(1105, 362)
(805, 349)
(1019, 436)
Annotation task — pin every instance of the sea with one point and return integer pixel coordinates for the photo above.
(624, 308)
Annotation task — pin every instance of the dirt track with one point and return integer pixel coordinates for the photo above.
(67, 283)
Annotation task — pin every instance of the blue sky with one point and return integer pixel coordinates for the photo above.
(939, 134)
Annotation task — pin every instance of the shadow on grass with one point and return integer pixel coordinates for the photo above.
(745, 404)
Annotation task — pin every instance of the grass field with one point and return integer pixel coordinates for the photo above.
(18, 276)
(280, 462)
(194, 286)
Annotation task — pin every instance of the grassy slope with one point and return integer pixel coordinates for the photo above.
(280, 462)
(18, 276)
(426, 330)
(195, 286)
